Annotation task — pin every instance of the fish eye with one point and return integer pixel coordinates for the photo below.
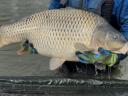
(115, 37)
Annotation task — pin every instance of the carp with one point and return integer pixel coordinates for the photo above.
(60, 33)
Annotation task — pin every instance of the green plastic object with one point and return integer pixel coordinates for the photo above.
(90, 57)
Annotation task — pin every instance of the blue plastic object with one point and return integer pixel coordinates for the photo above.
(120, 10)
(55, 4)
(104, 51)
(84, 4)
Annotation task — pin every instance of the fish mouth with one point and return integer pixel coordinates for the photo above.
(123, 50)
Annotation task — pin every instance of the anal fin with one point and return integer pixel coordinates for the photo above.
(56, 63)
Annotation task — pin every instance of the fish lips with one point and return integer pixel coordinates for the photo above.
(123, 50)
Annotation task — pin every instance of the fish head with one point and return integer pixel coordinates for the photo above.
(116, 42)
(107, 37)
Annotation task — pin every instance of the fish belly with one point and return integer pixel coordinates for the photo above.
(53, 45)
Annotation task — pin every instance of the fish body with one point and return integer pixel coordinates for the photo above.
(60, 33)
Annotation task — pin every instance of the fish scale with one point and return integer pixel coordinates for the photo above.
(60, 33)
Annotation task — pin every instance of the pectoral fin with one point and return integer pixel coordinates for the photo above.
(56, 63)
(81, 47)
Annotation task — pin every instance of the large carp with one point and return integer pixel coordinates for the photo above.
(60, 33)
